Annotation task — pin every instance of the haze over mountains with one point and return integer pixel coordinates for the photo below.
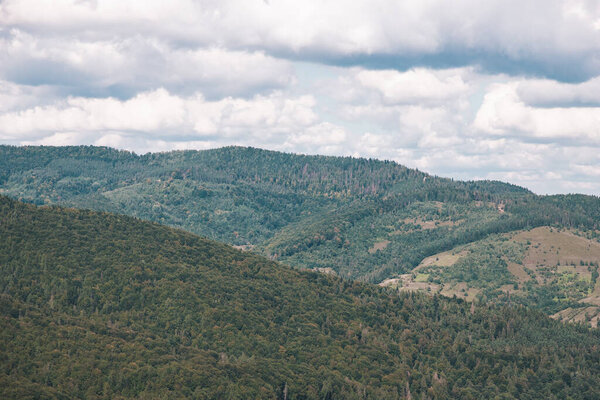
(362, 219)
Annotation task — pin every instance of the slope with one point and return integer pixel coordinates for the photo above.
(363, 219)
(555, 270)
(103, 306)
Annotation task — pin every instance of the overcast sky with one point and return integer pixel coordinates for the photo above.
(506, 90)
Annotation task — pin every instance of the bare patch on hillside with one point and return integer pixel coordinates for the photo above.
(244, 247)
(408, 282)
(420, 224)
(594, 297)
(379, 246)
(559, 256)
(429, 224)
(461, 290)
(562, 260)
(326, 271)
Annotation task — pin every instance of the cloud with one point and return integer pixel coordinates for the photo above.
(122, 140)
(552, 38)
(124, 66)
(503, 113)
(416, 108)
(468, 124)
(321, 138)
(161, 113)
(549, 93)
(16, 97)
(413, 86)
(159, 121)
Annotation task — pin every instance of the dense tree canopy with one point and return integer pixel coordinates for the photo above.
(308, 211)
(104, 306)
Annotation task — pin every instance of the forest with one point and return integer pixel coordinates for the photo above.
(97, 305)
(360, 219)
(306, 211)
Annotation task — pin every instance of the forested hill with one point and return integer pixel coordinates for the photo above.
(362, 219)
(95, 305)
(281, 172)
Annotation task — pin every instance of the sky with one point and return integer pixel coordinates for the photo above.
(496, 89)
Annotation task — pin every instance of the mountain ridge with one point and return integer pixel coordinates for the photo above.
(360, 218)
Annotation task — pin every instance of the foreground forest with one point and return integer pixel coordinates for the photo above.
(359, 219)
(97, 305)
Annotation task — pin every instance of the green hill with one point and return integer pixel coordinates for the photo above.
(96, 305)
(360, 219)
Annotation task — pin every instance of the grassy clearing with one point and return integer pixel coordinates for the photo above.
(550, 246)
(445, 259)
(461, 290)
(589, 315)
(519, 272)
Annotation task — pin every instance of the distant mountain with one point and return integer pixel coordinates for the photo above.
(95, 305)
(361, 219)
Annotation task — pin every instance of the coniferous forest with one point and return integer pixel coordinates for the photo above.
(119, 302)
(361, 219)
(95, 305)
(308, 211)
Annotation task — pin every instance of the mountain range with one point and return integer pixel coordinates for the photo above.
(360, 219)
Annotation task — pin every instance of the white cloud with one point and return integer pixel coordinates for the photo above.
(161, 114)
(469, 134)
(503, 112)
(413, 86)
(60, 139)
(16, 97)
(421, 108)
(142, 144)
(589, 170)
(138, 63)
(373, 145)
(145, 112)
(321, 138)
(548, 93)
(551, 37)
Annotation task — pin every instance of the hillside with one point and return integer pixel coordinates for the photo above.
(555, 270)
(360, 219)
(103, 306)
